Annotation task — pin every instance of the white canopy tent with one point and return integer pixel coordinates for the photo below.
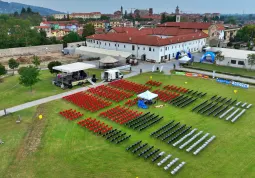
(147, 95)
(98, 52)
(184, 59)
(74, 67)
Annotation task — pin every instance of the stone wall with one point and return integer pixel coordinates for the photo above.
(33, 50)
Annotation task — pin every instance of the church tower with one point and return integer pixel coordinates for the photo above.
(177, 14)
(121, 10)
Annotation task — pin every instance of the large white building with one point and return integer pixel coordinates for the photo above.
(151, 44)
(91, 15)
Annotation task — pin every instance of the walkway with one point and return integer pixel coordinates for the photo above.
(55, 97)
(223, 76)
(46, 100)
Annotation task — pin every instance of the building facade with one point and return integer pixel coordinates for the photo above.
(91, 15)
(59, 16)
(146, 47)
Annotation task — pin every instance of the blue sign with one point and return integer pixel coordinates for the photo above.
(223, 81)
(233, 83)
(242, 85)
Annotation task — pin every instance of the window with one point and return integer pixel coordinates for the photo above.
(100, 42)
(172, 47)
(149, 48)
(173, 54)
(165, 56)
(166, 48)
(124, 46)
(143, 48)
(153, 49)
(118, 45)
(115, 44)
(138, 48)
(241, 63)
(105, 44)
(109, 44)
(97, 42)
(133, 47)
(233, 61)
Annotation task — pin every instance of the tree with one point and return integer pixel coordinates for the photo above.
(71, 37)
(29, 10)
(16, 14)
(163, 18)
(125, 15)
(205, 19)
(251, 59)
(2, 70)
(23, 10)
(36, 61)
(88, 30)
(13, 64)
(29, 76)
(53, 64)
(104, 17)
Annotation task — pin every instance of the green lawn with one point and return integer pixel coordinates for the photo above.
(227, 69)
(66, 150)
(12, 93)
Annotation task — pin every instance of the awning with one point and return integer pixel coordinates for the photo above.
(74, 67)
(147, 95)
(184, 59)
(101, 52)
(108, 60)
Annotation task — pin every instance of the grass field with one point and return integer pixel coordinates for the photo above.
(12, 93)
(55, 147)
(227, 69)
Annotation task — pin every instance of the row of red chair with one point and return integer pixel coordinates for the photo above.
(153, 83)
(95, 125)
(131, 102)
(120, 114)
(175, 88)
(110, 93)
(71, 114)
(129, 86)
(166, 96)
(87, 101)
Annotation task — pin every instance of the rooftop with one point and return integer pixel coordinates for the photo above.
(187, 25)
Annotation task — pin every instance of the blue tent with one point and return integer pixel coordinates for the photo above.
(212, 54)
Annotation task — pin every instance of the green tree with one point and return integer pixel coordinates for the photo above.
(13, 64)
(53, 64)
(251, 59)
(29, 76)
(205, 19)
(2, 70)
(71, 37)
(36, 61)
(16, 14)
(126, 14)
(104, 17)
(88, 30)
(163, 18)
(29, 10)
(23, 10)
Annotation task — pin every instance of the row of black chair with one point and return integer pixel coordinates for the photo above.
(133, 120)
(179, 135)
(172, 133)
(167, 130)
(116, 136)
(142, 119)
(145, 151)
(153, 133)
(188, 103)
(150, 124)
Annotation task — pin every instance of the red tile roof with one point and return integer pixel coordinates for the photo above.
(128, 30)
(187, 25)
(220, 27)
(166, 31)
(42, 27)
(146, 40)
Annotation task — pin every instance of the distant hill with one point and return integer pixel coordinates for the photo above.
(8, 8)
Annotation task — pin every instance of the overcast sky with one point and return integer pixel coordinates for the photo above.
(109, 6)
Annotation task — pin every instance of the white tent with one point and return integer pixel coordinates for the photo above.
(147, 95)
(74, 67)
(184, 59)
(108, 60)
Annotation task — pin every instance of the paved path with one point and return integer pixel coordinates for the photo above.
(55, 97)
(47, 99)
(224, 76)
